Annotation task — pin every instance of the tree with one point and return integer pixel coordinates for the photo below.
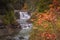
(42, 5)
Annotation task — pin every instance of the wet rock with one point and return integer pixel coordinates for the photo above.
(1, 24)
(8, 34)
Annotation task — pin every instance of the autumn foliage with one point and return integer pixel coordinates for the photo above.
(45, 23)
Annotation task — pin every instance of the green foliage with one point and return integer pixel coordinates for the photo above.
(7, 8)
(43, 5)
(9, 17)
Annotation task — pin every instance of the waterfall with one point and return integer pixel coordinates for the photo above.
(24, 16)
(26, 26)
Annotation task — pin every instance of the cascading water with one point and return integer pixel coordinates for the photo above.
(26, 26)
(24, 16)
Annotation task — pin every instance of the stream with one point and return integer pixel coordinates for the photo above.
(26, 26)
